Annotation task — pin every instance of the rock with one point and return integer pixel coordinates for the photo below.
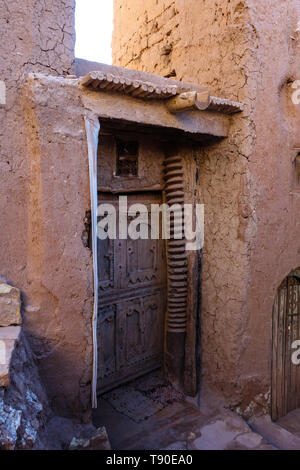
(250, 440)
(220, 433)
(10, 420)
(215, 436)
(24, 407)
(59, 432)
(177, 446)
(274, 434)
(31, 420)
(8, 339)
(10, 305)
(98, 442)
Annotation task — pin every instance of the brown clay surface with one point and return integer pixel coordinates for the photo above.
(246, 51)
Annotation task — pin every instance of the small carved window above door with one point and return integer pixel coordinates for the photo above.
(127, 158)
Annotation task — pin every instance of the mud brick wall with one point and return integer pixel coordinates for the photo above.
(141, 32)
(246, 51)
(38, 36)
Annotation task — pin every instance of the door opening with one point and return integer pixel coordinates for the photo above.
(132, 273)
(286, 329)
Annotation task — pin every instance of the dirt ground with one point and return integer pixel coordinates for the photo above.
(148, 414)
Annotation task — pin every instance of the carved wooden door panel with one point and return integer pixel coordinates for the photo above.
(132, 303)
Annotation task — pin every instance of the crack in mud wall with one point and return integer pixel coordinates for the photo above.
(244, 51)
(39, 36)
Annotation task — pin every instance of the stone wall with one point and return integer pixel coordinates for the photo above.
(24, 406)
(245, 51)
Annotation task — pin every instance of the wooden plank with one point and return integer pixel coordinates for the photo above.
(284, 371)
(128, 109)
(274, 396)
(297, 338)
(280, 354)
(189, 100)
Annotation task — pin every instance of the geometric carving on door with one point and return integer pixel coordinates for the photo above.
(106, 264)
(142, 262)
(154, 341)
(130, 339)
(132, 299)
(135, 332)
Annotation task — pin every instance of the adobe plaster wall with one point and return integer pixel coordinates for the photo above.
(242, 50)
(39, 36)
(245, 51)
(274, 248)
(59, 308)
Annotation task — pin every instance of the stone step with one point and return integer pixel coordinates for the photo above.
(228, 431)
(10, 306)
(274, 434)
(8, 338)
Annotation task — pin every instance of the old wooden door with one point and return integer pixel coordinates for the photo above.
(286, 330)
(132, 300)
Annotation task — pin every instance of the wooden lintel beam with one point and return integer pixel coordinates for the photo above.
(188, 101)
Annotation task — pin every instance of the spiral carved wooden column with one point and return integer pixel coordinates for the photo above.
(177, 272)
